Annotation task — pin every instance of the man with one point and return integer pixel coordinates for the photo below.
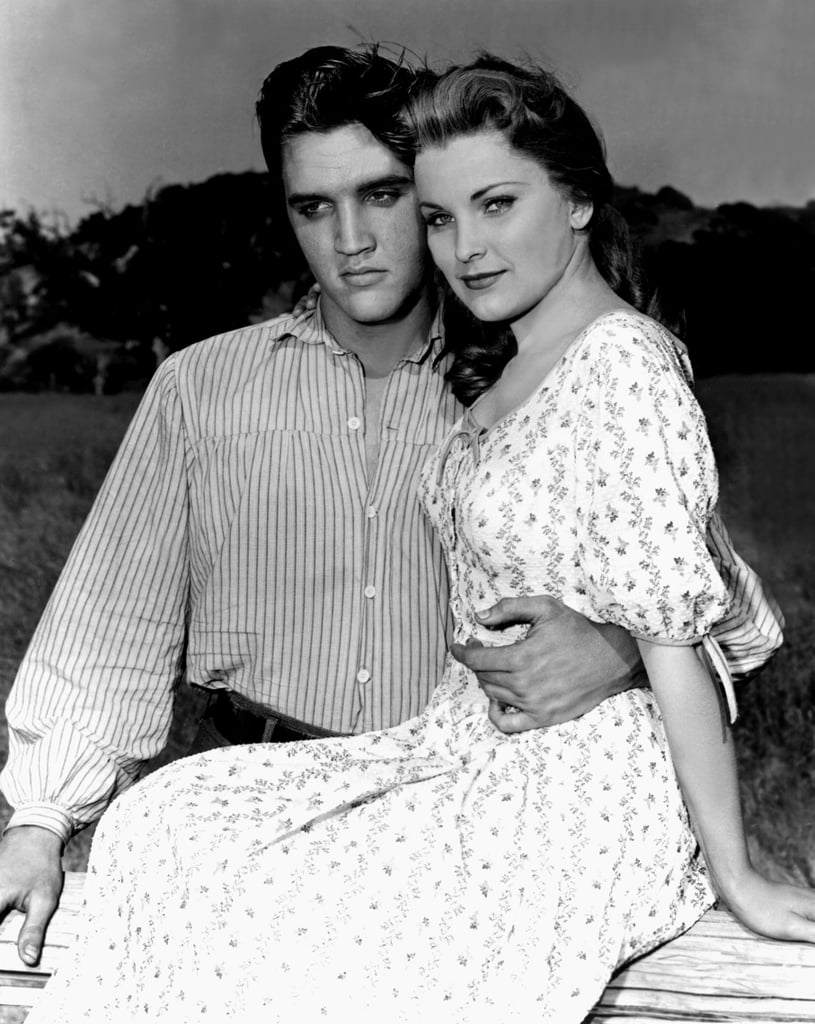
(259, 533)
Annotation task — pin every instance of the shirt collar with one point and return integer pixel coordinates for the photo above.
(310, 328)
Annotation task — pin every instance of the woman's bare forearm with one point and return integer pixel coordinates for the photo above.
(701, 745)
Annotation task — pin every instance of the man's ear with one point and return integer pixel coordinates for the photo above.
(580, 215)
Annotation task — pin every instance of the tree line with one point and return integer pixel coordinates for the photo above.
(95, 306)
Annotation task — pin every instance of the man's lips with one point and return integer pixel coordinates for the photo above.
(477, 282)
(362, 277)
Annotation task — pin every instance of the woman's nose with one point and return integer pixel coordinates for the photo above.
(468, 245)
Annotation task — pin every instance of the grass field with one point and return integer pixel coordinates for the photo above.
(763, 429)
(54, 450)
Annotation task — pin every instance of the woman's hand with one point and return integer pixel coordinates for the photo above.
(775, 909)
(307, 302)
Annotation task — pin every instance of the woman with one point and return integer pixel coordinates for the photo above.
(443, 870)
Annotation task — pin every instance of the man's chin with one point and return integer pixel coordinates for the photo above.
(367, 307)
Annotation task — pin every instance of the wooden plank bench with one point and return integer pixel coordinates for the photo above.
(718, 971)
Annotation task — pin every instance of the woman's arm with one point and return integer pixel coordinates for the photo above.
(701, 745)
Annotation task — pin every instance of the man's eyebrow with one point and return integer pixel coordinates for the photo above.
(386, 181)
(361, 188)
(298, 198)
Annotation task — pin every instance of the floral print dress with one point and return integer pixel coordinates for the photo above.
(442, 871)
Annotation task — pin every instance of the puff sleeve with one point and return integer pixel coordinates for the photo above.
(646, 488)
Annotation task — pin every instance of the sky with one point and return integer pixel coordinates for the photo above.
(102, 100)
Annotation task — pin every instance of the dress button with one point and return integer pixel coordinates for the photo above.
(371, 512)
(370, 591)
(363, 675)
(354, 423)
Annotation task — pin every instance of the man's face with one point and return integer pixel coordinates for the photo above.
(352, 205)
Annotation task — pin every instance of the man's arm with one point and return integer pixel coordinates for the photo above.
(93, 697)
(564, 667)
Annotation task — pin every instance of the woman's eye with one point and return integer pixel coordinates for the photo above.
(498, 204)
(437, 220)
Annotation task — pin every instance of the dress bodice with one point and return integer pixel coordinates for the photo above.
(596, 490)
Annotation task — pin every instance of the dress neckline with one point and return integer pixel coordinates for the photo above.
(471, 425)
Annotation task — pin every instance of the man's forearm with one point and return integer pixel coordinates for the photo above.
(565, 666)
(61, 781)
(93, 696)
(48, 817)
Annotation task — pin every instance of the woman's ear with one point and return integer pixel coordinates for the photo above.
(580, 215)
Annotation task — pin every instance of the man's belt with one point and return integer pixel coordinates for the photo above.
(241, 721)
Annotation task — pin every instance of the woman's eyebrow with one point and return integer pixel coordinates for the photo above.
(480, 193)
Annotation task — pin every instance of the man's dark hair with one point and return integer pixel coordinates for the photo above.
(329, 87)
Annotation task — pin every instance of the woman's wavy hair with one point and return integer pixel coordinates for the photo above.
(536, 115)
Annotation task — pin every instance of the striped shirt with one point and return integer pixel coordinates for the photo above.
(239, 542)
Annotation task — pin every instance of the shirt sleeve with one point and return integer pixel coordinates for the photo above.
(646, 488)
(93, 697)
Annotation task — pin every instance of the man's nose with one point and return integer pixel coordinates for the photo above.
(353, 235)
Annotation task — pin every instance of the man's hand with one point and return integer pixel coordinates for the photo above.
(564, 667)
(31, 880)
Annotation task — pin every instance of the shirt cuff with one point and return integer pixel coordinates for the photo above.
(47, 816)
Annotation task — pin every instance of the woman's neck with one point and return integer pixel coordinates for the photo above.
(579, 297)
(543, 336)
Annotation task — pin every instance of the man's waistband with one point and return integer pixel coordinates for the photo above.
(240, 720)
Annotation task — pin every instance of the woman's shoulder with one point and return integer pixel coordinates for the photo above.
(627, 341)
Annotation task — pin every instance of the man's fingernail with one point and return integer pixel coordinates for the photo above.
(30, 952)
(485, 614)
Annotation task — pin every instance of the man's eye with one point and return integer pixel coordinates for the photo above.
(499, 204)
(383, 197)
(310, 210)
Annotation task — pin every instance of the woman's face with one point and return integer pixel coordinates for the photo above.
(500, 232)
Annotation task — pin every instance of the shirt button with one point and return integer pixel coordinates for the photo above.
(370, 591)
(363, 675)
(371, 512)
(354, 423)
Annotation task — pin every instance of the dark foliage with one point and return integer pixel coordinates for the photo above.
(743, 277)
(189, 262)
(92, 306)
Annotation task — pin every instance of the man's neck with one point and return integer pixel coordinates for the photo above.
(380, 346)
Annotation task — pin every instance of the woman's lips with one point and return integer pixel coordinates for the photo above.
(477, 282)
